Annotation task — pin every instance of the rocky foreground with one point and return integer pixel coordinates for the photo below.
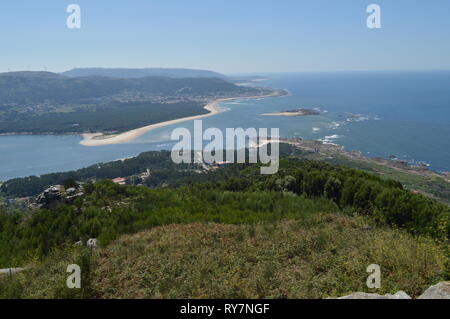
(439, 291)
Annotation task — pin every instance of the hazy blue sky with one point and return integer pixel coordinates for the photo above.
(228, 36)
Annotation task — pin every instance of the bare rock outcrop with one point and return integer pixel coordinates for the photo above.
(362, 295)
(439, 291)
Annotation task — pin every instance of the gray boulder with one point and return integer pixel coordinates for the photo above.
(362, 295)
(439, 291)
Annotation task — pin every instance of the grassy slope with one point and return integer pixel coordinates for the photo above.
(313, 257)
(303, 255)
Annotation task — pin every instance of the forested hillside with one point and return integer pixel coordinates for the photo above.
(330, 220)
(301, 187)
(38, 87)
(335, 208)
(160, 164)
(49, 103)
(117, 117)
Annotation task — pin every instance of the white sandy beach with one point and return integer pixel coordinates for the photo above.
(99, 139)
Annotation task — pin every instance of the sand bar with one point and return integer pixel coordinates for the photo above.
(99, 139)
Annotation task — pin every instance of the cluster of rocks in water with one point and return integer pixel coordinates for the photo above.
(439, 291)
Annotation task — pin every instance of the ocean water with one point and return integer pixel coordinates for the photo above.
(405, 114)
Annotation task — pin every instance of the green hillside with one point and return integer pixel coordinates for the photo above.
(308, 231)
(325, 255)
(344, 218)
(38, 87)
(44, 102)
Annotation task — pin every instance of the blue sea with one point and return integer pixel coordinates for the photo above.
(381, 114)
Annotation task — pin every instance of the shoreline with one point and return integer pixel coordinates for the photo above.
(100, 139)
(325, 149)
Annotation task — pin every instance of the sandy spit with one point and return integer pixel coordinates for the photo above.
(99, 139)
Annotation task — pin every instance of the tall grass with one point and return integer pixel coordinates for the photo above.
(318, 257)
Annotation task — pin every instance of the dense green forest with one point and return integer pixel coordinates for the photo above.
(160, 163)
(163, 172)
(241, 196)
(119, 117)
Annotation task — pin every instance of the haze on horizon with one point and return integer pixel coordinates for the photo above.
(228, 36)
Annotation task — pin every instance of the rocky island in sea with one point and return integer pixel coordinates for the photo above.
(298, 112)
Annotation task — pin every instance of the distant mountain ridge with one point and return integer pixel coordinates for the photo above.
(125, 73)
(31, 74)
